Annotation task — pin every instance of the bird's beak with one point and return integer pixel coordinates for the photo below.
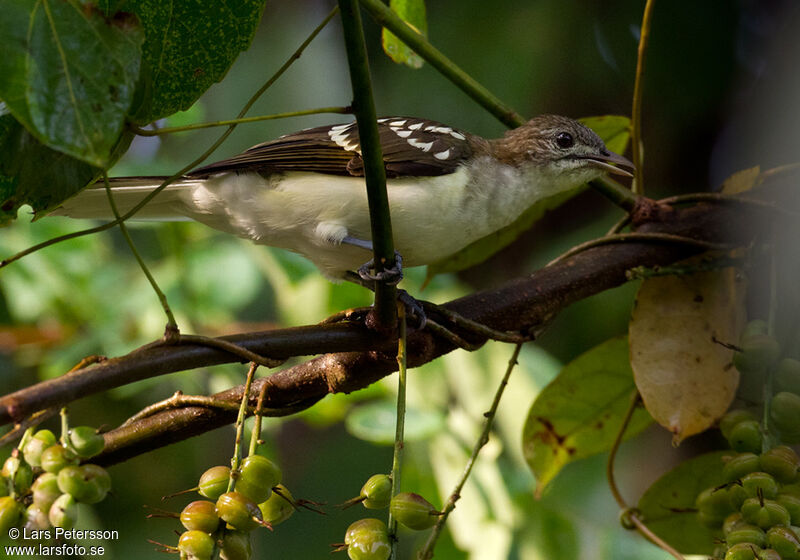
(613, 163)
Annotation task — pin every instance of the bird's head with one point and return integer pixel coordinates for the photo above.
(561, 146)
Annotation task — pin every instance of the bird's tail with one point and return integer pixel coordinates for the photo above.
(92, 202)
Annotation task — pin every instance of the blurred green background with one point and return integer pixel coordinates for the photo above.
(721, 94)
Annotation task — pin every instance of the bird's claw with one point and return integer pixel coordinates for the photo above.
(413, 308)
(390, 276)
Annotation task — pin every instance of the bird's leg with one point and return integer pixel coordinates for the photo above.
(391, 276)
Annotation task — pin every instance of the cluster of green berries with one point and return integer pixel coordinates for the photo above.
(224, 520)
(42, 486)
(368, 539)
(758, 507)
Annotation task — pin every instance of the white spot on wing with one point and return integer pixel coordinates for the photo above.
(442, 155)
(424, 146)
(415, 126)
(403, 133)
(440, 129)
(338, 128)
(397, 123)
(457, 135)
(383, 120)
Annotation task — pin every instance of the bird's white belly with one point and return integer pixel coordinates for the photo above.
(310, 213)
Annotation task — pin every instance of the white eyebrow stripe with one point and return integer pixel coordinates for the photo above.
(424, 146)
(442, 155)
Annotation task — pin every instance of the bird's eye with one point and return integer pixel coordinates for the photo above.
(564, 140)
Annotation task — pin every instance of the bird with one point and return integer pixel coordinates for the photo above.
(305, 191)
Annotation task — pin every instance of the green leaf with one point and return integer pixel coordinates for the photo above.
(668, 505)
(375, 422)
(614, 130)
(413, 13)
(189, 45)
(31, 173)
(580, 412)
(69, 74)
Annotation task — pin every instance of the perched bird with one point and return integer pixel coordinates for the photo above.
(305, 191)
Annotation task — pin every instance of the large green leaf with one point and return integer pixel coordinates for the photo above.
(69, 73)
(31, 173)
(668, 506)
(413, 13)
(580, 413)
(613, 129)
(189, 45)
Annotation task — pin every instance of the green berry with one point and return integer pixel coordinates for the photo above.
(785, 411)
(239, 511)
(792, 504)
(64, 512)
(764, 513)
(257, 476)
(214, 482)
(36, 518)
(787, 375)
(781, 462)
(45, 490)
(97, 474)
(747, 534)
(368, 539)
(731, 418)
(742, 551)
(746, 436)
(10, 514)
(415, 512)
(712, 505)
(762, 482)
(733, 521)
(235, 546)
(740, 465)
(758, 352)
(196, 545)
(19, 472)
(736, 495)
(784, 541)
(377, 491)
(56, 457)
(754, 327)
(40, 441)
(278, 507)
(769, 554)
(200, 515)
(86, 441)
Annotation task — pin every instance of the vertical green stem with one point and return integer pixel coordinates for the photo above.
(255, 435)
(401, 419)
(237, 449)
(636, 111)
(64, 427)
(374, 171)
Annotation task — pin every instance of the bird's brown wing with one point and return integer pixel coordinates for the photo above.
(410, 146)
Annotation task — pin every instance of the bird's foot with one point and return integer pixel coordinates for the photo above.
(390, 276)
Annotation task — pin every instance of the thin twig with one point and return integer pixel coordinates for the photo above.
(246, 120)
(729, 199)
(237, 448)
(399, 435)
(185, 169)
(227, 346)
(639, 237)
(427, 552)
(636, 111)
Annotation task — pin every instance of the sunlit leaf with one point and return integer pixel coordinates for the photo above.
(611, 128)
(413, 13)
(376, 422)
(189, 46)
(580, 413)
(69, 73)
(684, 375)
(668, 506)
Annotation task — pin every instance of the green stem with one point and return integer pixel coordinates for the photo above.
(374, 171)
(240, 418)
(245, 120)
(255, 435)
(636, 111)
(399, 435)
(64, 427)
(384, 16)
(427, 551)
(188, 167)
(172, 325)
